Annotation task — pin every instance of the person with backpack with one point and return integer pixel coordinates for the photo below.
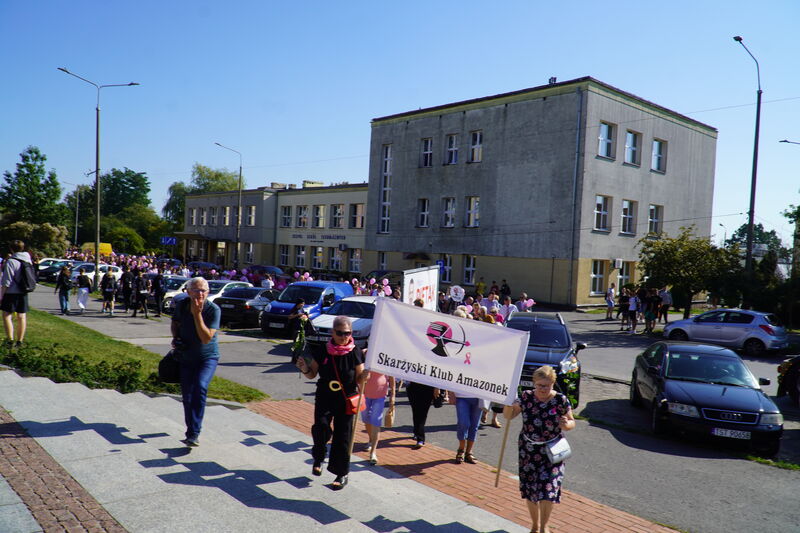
(84, 288)
(15, 284)
(108, 287)
(126, 281)
(63, 286)
(158, 290)
(141, 288)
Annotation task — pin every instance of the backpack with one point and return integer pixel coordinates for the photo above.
(27, 281)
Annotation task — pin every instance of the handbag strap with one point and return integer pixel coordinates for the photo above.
(336, 369)
(539, 443)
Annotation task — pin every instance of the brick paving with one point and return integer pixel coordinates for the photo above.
(56, 501)
(474, 484)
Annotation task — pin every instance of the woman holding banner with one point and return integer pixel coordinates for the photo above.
(545, 415)
(340, 366)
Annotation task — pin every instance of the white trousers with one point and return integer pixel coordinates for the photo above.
(83, 297)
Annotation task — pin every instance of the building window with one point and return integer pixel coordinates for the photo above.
(469, 269)
(448, 212)
(337, 215)
(334, 259)
(202, 216)
(598, 276)
(426, 153)
(633, 143)
(451, 152)
(423, 210)
(446, 272)
(286, 216)
(212, 216)
(606, 140)
(476, 147)
(355, 260)
(386, 189)
(220, 258)
(319, 216)
(302, 216)
(356, 216)
(251, 215)
(381, 260)
(628, 222)
(624, 276)
(601, 204)
(192, 215)
(283, 254)
(248, 252)
(192, 248)
(300, 256)
(226, 215)
(658, 161)
(473, 218)
(318, 257)
(654, 218)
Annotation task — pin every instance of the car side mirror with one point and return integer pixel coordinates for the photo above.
(580, 346)
(763, 381)
(653, 371)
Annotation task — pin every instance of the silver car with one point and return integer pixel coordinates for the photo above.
(754, 332)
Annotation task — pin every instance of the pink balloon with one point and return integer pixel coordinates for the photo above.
(310, 278)
(387, 290)
(354, 281)
(244, 271)
(372, 281)
(529, 302)
(306, 274)
(213, 271)
(281, 285)
(297, 274)
(385, 282)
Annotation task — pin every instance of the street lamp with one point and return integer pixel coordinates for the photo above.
(748, 262)
(788, 141)
(725, 234)
(97, 168)
(238, 208)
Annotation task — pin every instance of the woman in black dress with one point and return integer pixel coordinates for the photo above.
(340, 366)
(545, 415)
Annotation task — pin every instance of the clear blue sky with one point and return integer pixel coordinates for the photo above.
(294, 85)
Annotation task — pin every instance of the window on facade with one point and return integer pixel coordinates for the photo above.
(386, 189)
(356, 216)
(469, 269)
(633, 144)
(337, 215)
(249, 252)
(251, 215)
(220, 257)
(319, 216)
(446, 272)
(283, 254)
(318, 257)
(628, 222)
(624, 276)
(451, 150)
(286, 216)
(192, 248)
(226, 215)
(448, 212)
(192, 216)
(302, 216)
(381, 260)
(334, 259)
(658, 161)
(472, 216)
(601, 205)
(476, 147)
(300, 256)
(423, 211)
(598, 276)
(654, 218)
(606, 144)
(212, 216)
(355, 260)
(202, 216)
(426, 153)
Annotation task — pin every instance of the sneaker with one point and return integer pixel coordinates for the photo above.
(191, 442)
(373, 458)
(418, 445)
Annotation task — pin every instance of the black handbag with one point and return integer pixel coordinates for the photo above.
(169, 368)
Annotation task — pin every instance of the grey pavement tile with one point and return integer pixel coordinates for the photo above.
(17, 518)
(7, 494)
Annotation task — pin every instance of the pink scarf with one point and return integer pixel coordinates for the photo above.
(340, 349)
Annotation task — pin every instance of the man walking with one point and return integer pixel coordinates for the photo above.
(13, 299)
(158, 290)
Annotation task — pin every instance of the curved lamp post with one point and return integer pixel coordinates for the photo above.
(97, 168)
(238, 208)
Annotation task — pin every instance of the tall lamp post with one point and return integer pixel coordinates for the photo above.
(748, 262)
(238, 208)
(97, 167)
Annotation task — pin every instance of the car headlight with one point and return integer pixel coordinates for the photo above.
(772, 419)
(570, 364)
(683, 409)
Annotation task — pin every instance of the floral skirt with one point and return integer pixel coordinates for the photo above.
(539, 479)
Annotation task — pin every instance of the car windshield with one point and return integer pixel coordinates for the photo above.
(550, 335)
(214, 286)
(243, 293)
(293, 292)
(708, 368)
(353, 309)
(773, 320)
(173, 284)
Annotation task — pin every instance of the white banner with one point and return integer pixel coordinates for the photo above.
(421, 283)
(474, 359)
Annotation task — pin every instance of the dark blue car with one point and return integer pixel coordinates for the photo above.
(708, 390)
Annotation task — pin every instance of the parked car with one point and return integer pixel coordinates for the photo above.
(173, 285)
(550, 343)
(705, 389)
(754, 332)
(89, 270)
(50, 273)
(243, 305)
(789, 379)
(318, 296)
(47, 261)
(216, 287)
(200, 265)
(264, 269)
(360, 310)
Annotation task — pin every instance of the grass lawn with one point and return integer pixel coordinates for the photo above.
(55, 336)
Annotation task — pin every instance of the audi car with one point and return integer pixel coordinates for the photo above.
(243, 305)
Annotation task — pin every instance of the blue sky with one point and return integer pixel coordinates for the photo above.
(294, 85)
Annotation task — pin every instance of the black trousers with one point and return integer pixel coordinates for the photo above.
(330, 409)
(159, 297)
(420, 397)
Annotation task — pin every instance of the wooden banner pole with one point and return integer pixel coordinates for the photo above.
(502, 453)
(355, 422)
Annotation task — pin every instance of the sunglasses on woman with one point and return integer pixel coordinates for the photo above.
(343, 333)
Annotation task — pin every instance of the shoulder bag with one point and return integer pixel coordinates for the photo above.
(557, 449)
(352, 403)
(169, 368)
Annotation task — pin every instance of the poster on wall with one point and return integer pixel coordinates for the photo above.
(421, 283)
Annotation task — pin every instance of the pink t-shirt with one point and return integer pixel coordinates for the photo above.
(377, 385)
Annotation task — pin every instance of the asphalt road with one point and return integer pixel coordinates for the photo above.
(692, 485)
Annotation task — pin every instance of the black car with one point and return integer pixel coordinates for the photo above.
(243, 305)
(550, 344)
(708, 390)
(51, 273)
(789, 379)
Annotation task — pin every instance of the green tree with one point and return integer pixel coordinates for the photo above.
(124, 239)
(83, 198)
(146, 223)
(760, 236)
(122, 188)
(45, 239)
(204, 180)
(32, 194)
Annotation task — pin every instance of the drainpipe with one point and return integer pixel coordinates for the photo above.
(575, 206)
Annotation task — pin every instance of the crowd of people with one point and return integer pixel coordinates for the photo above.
(639, 305)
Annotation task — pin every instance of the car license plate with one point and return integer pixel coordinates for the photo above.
(227, 306)
(275, 325)
(526, 383)
(731, 433)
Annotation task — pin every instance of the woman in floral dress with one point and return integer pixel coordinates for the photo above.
(545, 414)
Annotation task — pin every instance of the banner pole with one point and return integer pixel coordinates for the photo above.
(502, 453)
(355, 422)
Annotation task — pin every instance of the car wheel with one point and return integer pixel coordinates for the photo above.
(635, 397)
(678, 335)
(165, 304)
(657, 424)
(754, 348)
(771, 450)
